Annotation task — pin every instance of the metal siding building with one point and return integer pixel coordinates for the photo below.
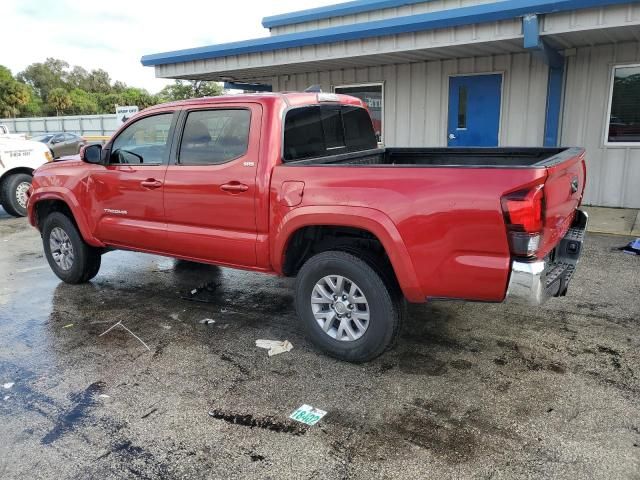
(555, 58)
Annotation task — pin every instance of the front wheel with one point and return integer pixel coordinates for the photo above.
(70, 258)
(13, 193)
(348, 310)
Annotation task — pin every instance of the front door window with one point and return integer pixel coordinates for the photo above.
(144, 142)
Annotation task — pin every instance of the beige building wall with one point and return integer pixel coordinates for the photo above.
(613, 171)
(416, 96)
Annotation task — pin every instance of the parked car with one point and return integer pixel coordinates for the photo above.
(62, 144)
(295, 184)
(18, 159)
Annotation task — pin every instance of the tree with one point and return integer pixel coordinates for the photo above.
(82, 102)
(13, 94)
(118, 86)
(98, 81)
(184, 89)
(77, 78)
(35, 106)
(44, 77)
(59, 100)
(53, 86)
(5, 74)
(107, 102)
(139, 97)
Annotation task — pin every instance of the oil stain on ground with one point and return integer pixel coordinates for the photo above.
(83, 402)
(266, 423)
(422, 364)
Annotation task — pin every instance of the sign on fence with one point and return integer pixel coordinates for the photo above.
(125, 113)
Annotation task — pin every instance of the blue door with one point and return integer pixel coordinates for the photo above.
(474, 110)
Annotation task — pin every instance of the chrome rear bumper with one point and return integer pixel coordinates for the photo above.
(532, 283)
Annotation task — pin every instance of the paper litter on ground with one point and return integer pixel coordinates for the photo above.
(207, 321)
(8, 385)
(275, 346)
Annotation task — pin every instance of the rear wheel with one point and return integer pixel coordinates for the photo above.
(69, 256)
(13, 193)
(347, 308)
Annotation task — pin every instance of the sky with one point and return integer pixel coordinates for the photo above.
(114, 34)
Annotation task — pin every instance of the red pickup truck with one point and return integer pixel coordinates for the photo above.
(295, 184)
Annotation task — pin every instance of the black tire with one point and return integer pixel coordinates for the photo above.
(385, 309)
(86, 259)
(9, 194)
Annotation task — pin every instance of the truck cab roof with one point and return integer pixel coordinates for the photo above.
(287, 98)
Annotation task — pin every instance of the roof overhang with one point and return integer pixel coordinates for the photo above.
(490, 12)
(396, 40)
(331, 11)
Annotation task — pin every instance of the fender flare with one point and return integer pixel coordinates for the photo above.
(64, 195)
(369, 219)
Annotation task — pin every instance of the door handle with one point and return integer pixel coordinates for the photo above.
(234, 187)
(575, 184)
(151, 183)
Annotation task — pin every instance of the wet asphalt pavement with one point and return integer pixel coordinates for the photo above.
(470, 391)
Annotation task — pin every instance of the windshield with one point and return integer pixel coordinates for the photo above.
(42, 138)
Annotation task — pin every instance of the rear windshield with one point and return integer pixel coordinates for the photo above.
(323, 130)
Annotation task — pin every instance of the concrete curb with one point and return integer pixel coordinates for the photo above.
(636, 226)
(613, 221)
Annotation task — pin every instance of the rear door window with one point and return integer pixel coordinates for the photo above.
(322, 130)
(212, 137)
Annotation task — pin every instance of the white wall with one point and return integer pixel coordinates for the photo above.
(80, 124)
(613, 176)
(416, 96)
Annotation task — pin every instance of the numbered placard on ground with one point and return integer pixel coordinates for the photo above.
(308, 415)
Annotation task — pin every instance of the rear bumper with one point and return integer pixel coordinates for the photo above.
(532, 283)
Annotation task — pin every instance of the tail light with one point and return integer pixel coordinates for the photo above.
(524, 216)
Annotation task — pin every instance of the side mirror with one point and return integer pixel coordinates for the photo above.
(91, 154)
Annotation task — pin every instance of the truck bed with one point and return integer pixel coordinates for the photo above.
(445, 203)
(449, 157)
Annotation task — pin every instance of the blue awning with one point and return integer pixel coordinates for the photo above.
(490, 12)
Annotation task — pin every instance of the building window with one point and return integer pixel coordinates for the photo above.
(462, 107)
(624, 110)
(373, 95)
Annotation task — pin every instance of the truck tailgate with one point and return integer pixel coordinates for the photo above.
(563, 190)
